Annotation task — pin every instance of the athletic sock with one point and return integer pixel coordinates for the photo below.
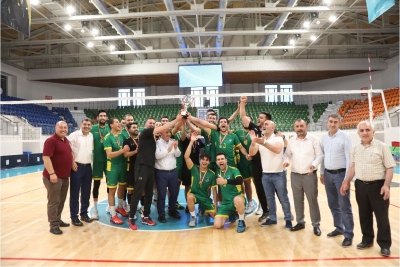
(193, 213)
(95, 205)
(112, 211)
(120, 203)
(241, 217)
(155, 196)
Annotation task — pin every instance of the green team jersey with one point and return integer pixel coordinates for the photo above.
(209, 147)
(179, 160)
(125, 133)
(115, 142)
(99, 133)
(245, 140)
(226, 144)
(229, 191)
(201, 188)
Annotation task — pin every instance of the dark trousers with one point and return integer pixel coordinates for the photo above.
(257, 175)
(370, 201)
(56, 195)
(144, 180)
(81, 181)
(166, 179)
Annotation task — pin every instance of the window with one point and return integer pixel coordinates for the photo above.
(271, 89)
(140, 92)
(214, 101)
(124, 93)
(287, 88)
(198, 101)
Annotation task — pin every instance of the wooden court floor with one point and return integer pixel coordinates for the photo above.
(26, 241)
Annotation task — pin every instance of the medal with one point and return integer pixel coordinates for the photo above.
(221, 140)
(101, 134)
(202, 178)
(101, 140)
(245, 142)
(117, 141)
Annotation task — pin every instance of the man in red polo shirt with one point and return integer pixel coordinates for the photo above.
(57, 159)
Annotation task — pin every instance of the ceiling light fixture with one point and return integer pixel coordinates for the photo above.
(90, 44)
(95, 31)
(292, 41)
(112, 47)
(34, 2)
(327, 2)
(70, 10)
(318, 22)
(67, 27)
(313, 37)
(332, 18)
(306, 24)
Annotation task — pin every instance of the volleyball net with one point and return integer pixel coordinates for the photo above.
(35, 119)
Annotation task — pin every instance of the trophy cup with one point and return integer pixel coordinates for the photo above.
(186, 101)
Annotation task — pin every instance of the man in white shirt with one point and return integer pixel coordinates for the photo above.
(273, 178)
(336, 146)
(305, 152)
(166, 175)
(81, 175)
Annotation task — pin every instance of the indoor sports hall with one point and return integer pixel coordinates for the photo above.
(64, 60)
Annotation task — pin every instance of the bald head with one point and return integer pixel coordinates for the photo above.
(61, 129)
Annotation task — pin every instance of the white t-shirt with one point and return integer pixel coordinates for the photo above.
(270, 161)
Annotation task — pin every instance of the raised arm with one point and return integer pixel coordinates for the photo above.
(205, 125)
(245, 119)
(234, 114)
(189, 162)
(167, 125)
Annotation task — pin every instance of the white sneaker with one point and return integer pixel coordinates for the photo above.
(250, 207)
(95, 215)
(108, 209)
(141, 210)
(192, 222)
(259, 210)
(200, 213)
(126, 207)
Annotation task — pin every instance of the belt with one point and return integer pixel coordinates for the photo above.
(272, 173)
(336, 171)
(167, 170)
(371, 182)
(304, 173)
(84, 164)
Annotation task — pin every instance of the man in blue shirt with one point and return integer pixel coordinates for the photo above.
(336, 146)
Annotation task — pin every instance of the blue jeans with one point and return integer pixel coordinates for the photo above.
(339, 205)
(276, 182)
(166, 179)
(80, 182)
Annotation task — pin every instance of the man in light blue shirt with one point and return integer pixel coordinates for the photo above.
(336, 146)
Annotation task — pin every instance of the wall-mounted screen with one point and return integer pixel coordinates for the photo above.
(200, 75)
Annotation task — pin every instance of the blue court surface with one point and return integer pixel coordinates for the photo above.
(20, 171)
(172, 224)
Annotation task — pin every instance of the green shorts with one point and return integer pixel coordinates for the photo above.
(99, 169)
(205, 204)
(116, 174)
(245, 170)
(228, 207)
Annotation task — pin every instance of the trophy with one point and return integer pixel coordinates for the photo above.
(186, 101)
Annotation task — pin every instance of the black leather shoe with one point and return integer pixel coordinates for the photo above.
(263, 217)
(174, 213)
(63, 224)
(385, 252)
(56, 231)
(162, 219)
(86, 218)
(347, 242)
(297, 227)
(76, 222)
(363, 245)
(317, 231)
(334, 233)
